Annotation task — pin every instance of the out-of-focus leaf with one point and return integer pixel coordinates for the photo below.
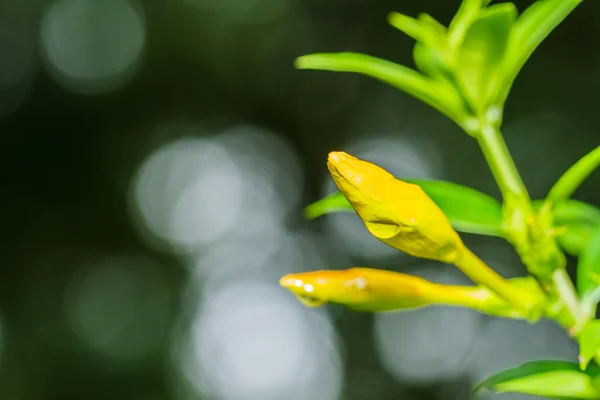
(479, 62)
(464, 17)
(433, 24)
(529, 30)
(589, 343)
(574, 176)
(552, 379)
(430, 61)
(438, 94)
(580, 221)
(417, 29)
(588, 268)
(467, 209)
(430, 50)
(576, 220)
(432, 57)
(334, 203)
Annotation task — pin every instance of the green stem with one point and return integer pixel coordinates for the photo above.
(478, 298)
(501, 163)
(519, 212)
(482, 274)
(568, 296)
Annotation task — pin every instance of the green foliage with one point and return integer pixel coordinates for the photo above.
(552, 379)
(438, 94)
(588, 268)
(576, 222)
(468, 68)
(466, 71)
(431, 56)
(574, 177)
(589, 342)
(479, 58)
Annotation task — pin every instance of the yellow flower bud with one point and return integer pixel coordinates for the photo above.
(396, 212)
(373, 290)
(358, 288)
(403, 216)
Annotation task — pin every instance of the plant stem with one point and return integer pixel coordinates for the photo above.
(564, 287)
(482, 274)
(519, 211)
(501, 163)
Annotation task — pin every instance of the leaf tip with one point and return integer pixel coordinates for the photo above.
(395, 18)
(309, 212)
(302, 62)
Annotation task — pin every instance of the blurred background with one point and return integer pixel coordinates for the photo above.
(156, 157)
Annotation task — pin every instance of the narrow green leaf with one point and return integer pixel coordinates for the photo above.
(530, 29)
(334, 203)
(568, 211)
(579, 221)
(481, 54)
(552, 379)
(576, 238)
(432, 23)
(432, 56)
(589, 343)
(588, 267)
(466, 14)
(468, 210)
(430, 61)
(437, 94)
(414, 28)
(568, 183)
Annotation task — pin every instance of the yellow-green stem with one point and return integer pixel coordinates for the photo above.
(476, 298)
(482, 274)
(519, 211)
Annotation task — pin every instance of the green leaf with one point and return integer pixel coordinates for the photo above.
(580, 220)
(588, 268)
(478, 69)
(414, 28)
(466, 14)
(430, 61)
(440, 95)
(331, 204)
(432, 56)
(467, 209)
(552, 379)
(530, 29)
(576, 221)
(589, 343)
(430, 52)
(574, 176)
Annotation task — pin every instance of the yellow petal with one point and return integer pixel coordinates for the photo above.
(373, 290)
(398, 213)
(359, 288)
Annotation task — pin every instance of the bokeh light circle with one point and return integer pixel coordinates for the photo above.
(19, 62)
(188, 193)
(251, 341)
(431, 343)
(93, 46)
(119, 307)
(508, 343)
(195, 191)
